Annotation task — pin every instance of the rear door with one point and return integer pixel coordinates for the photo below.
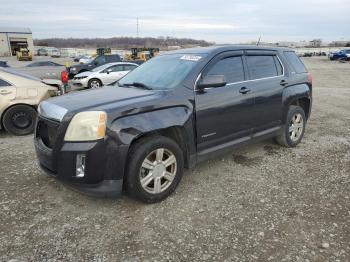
(223, 114)
(266, 83)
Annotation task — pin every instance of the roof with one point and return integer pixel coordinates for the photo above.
(222, 48)
(21, 30)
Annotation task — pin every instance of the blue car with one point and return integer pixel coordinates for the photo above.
(342, 54)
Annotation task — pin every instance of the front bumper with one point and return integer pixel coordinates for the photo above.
(103, 175)
(79, 82)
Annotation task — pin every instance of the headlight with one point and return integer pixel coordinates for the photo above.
(87, 126)
(73, 69)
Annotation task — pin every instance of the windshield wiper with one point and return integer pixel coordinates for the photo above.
(137, 84)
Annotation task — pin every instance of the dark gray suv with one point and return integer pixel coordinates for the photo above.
(170, 113)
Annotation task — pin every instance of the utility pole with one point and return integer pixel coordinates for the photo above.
(137, 27)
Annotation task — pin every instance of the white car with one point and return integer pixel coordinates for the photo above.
(55, 53)
(85, 60)
(102, 75)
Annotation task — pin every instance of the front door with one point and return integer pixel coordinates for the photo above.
(224, 114)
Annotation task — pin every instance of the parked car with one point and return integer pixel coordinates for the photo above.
(98, 61)
(102, 75)
(170, 113)
(339, 55)
(85, 59)
(4, 64)
(20, 95)
(42, 52)
(77, 58)
(55, 53)
(43, 69)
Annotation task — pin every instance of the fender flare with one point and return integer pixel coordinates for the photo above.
(293, 93)
(125, 130)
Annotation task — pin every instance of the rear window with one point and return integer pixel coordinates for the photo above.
(295, 62)
(261, 66)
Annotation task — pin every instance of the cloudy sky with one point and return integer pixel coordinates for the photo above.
(221, 21)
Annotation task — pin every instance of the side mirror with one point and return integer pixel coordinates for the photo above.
(108, 71)
(211, 81)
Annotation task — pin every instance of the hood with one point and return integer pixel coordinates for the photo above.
(107, 99)
(86, 73)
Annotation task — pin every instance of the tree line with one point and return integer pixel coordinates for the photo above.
(120, 42)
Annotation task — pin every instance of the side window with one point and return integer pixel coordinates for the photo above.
(261, 66)
(129, 67)
(4, 83)
(100, 60)
(295, 62)
(230, 67)
(116, 68)
(278, 66)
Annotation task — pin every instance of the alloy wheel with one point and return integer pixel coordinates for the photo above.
(158, 171)
(296, 127)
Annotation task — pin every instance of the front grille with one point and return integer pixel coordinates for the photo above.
(47, 130)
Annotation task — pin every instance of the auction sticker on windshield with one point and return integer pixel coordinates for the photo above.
(191, 57)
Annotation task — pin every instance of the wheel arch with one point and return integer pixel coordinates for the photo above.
(174, 123)
(299, 95)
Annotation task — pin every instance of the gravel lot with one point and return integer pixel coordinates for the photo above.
(261, 203)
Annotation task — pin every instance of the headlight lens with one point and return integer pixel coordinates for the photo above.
(87, 126)
(73, 69)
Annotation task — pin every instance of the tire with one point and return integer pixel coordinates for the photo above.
(94, 83)
(19, 120)
(293, 131)
(139, 169)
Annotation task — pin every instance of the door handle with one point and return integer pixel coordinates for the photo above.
(4, 92)
(244, 90)
(283, 83)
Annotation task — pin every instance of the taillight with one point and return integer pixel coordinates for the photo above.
(309, 78)
(64, 77)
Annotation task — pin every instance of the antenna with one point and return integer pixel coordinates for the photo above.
(258, 41)
(137, 27)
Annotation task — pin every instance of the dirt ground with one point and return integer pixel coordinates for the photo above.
(260, 203)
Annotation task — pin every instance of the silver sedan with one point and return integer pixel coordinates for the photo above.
(102, 75)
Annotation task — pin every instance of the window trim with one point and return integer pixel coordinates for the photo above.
(245, 68)
(263, 78)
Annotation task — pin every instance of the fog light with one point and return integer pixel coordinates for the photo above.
(80, 166)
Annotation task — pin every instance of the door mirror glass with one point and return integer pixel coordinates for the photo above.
(212, 81)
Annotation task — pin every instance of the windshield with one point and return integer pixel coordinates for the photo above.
(100, 68)
(162, 72)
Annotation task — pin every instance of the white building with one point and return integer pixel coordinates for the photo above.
(12, 37)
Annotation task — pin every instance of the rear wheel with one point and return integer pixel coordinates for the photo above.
(19, 120)
(155, 167)
(293, 131)
(94, 83)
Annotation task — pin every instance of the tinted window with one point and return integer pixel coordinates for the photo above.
(3, 83)
(231, 68)
(278, 66)
(295, 62)
(100, 60)
(261, 66)
(34, 64)
(129, 67)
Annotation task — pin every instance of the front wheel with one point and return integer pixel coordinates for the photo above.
(94, 83)
(155, 167)
(19, 120)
